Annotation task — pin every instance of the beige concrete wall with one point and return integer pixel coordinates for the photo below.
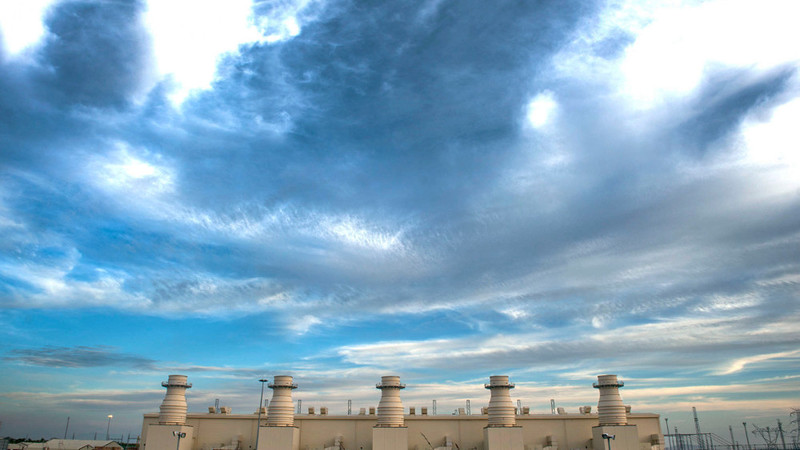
(571, 431)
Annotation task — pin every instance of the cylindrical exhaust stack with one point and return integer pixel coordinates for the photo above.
(610, 409)
(501, 409)
(173, 408)
(281, 408)
(390, 408)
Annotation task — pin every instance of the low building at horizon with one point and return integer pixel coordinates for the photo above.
(68, 444)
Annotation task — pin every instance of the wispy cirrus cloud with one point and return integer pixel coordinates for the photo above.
(77, 357)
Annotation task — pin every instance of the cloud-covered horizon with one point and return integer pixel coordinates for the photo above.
(440, 189)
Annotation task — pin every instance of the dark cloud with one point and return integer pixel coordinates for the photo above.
(725, 98)
(96, 54)
(78, 357)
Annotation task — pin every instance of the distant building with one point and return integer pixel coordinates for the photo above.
(66, 444)
(500, 426)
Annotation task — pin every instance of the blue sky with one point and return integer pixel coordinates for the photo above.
(443, 190)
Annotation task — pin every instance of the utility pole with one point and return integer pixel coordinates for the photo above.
(260, 402)
(700, 442)
(780, 430)
(744, 424)
(666, 435)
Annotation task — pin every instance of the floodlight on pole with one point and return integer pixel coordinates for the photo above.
(260, 402)
(179, 435)
(608, 437)
(108, 428)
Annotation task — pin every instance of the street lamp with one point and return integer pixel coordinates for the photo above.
(744, 424)
(608, 437)
(108, 428)
(180, 436)
(260, 402)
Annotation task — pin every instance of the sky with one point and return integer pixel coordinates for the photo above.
(443, 190)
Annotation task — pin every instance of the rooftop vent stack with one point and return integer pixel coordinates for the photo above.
(173, 408)
(501, 408)
(281, 409)
(390, 408)
(610, 409)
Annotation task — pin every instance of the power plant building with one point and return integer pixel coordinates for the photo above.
(500, 426)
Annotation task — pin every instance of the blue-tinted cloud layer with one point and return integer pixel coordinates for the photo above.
(440, 189)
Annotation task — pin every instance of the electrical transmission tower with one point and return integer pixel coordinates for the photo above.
(795, 415)
(769, 435)
(697, 427)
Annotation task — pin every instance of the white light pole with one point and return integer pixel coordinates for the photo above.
(108, 428)
(260, 402)
(179, 436)
(608, 437)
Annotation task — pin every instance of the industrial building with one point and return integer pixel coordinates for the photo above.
(500, 426)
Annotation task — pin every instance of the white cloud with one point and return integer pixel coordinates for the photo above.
(670, 55)
(775, 143)
(667, 47)
(541, 109)
(21, 23)
(304, 324)
(190, 38)
(51, 284)
(739, 364)
(128, 172)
